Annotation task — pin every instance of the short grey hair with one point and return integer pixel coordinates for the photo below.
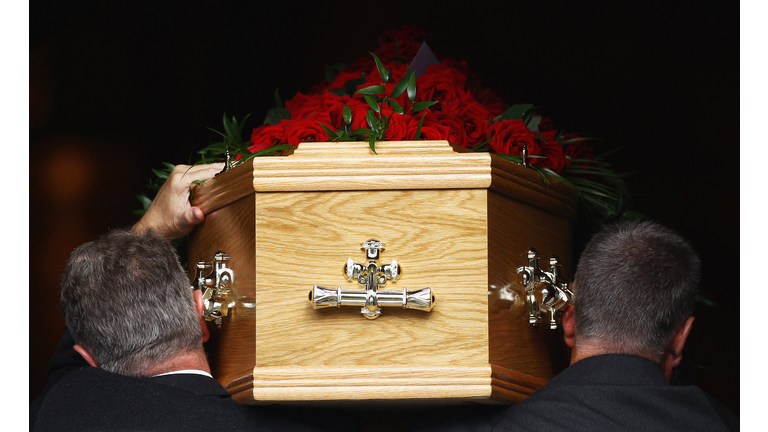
(128, 302)
(634, 287)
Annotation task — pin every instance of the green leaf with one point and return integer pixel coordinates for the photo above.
(372, 144)
(511, 158)
(418, 129)
(573, 140)
(362, 132)
(272, 151)
(145, 201)
(350, 86)
(170, 166)
(160, 174)
(274, 115)
(527, 116)
(328, 130)
(412, 87)
(533, 123)
(373, 122)
(419, 106)
(372, 103)
(515, 112)
(228, 127)
(278, 101)
(395, 106)
(382, 70)
(482, 144)
(371, 90)
(401, 85)
(339, 91)
(215, 148)
(347, 114)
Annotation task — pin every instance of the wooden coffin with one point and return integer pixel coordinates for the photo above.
(460, 223)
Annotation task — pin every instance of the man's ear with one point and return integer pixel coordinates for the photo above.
(198, 296)
(674, 353)
(568, 321)
(86, 355)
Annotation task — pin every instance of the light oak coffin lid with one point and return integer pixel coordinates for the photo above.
(398, 165)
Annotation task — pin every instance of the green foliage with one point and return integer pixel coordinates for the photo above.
(516, 112)
(274, 115)
(232, 144)
(377, 98)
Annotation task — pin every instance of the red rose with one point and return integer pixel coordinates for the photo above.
(359, 111)
(554, 158)
(473, 80)
(301, 105)
(431, 129)
(491, 101)
(343, 77)
(398, 126)
(265, 136)
(298, 131)
(374, 78)
(577, 149)
(398, 72)
(456, 124)
(441, 83)
(330, 102)
(509, 137)
(545, 124)
(475, 117)
(406, 51)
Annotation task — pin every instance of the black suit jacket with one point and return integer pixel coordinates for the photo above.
(602, 393)
(616, 393)
(83, 398)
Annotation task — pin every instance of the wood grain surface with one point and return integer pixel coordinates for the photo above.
(513, 228)
(353, 166)
(460, 223)
(232, 348)
(371, 383)
(304, 239)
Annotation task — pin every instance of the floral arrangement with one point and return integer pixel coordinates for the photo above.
(382, 97)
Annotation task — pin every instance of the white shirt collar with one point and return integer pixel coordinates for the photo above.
(186, 371)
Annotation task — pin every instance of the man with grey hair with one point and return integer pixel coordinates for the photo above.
(129, 305)
(634, 294)
(136, 321)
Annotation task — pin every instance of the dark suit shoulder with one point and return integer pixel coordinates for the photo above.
(611, 394)
(93, 399)
(729, 419)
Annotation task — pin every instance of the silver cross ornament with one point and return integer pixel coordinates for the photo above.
(372, 275)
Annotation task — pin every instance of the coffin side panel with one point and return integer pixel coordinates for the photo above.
(230, 229)
(439, 238)
(513, 227)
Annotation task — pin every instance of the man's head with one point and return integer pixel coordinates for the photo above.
(634, 291)
(128, 303)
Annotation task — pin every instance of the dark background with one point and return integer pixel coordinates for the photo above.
(117, 89)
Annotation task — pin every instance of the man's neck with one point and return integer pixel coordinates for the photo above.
(193, 360)
(581, 352)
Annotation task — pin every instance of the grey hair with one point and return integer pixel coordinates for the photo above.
(128, 302)
(634, 287)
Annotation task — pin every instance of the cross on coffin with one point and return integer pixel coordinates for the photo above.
(372, 276)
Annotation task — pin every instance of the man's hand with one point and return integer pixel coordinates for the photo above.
(171, 215)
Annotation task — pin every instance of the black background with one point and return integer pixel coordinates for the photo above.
(116, 89)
